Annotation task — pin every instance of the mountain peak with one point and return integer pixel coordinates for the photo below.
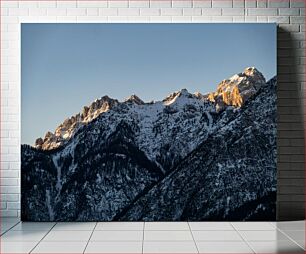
(134, 99)
(236, 90)
(65, 130)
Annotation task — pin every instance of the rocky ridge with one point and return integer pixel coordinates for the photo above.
(234, 91)
(183, 158)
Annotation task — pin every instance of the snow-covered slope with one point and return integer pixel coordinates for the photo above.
(106, 162)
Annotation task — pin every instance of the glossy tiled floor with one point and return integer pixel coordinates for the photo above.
(152, 237)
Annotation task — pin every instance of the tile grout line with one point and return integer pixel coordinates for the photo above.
(143, 232)
(42, 238)
(290, 238)
(10, 228)
(193, 237)
(90, 237)
(244, 240)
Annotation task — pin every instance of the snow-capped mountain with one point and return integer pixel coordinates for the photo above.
(189, 156)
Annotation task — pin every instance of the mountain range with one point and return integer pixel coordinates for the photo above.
(186, 157)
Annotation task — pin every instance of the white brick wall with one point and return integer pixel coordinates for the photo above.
(289, 13)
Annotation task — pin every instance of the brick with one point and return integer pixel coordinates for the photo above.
(262, 19)
(160, 4)
(297, 20)
(291, 174)
(108, 11)
(291, 198)
(18, 12)
(202, 19)
(118, 4)
(66, 4)
(160, 19)
(9, 213)
(9, 197)
(150, 12)
(222, 3)
(262, 3)
(238, 19)
(233, 12)
(211, 11)
(291, 150)
(4, 11)
(128, 12)
(262, 12)
(202, 3)
(12, 190)
(291, 134)
(181, 19)
(288, 11)
(238, 3)
(288, 28)
(92, 11)
(172, 11)
(139, 4)
(192, 11)
(13, 205)
(250, 3)
(182, 3)
(292, 166)
(76, 11)
(291, 189)
(222, 19)
(57, 12)
(9, 173)
(297, 3)
(92, 4)
(47, 4)
(279, 19)
(9, 181)
(38, 11)
(250, 19)
(9, 4)
(291, 182)
(3, 205)
(278, 3)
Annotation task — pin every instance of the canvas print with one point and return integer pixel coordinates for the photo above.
(148, 122)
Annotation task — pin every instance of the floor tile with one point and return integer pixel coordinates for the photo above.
(169, 247)
(106, 236)
(114, 247)
(223, 247)
(253, 226)
(22, 236)
(69, 236)
(67, 226)
(17, 247)
(297, 235)
(274, 235)
(33, 226)
(276, 247)
(291, 225)
(9, 220)
(216, 236)
(60, 247)
(167, 236)
(221, 226)
(166, 226)
(5, 226)
(120, 226)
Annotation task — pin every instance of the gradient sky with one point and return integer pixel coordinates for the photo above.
(67, 66)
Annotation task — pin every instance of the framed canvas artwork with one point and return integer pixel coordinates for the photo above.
(148, 122)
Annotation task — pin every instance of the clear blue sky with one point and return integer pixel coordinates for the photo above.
(67, 66)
